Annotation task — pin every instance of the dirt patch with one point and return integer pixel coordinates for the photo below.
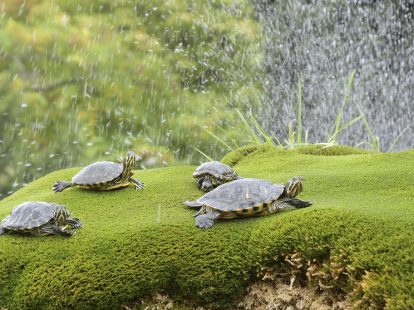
(160, 301)
(276, 295)
(261, 295)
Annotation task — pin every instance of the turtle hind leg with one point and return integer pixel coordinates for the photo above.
(297, 203)
(206, 220)
(138, 184)
(61, 185)
(74, 222)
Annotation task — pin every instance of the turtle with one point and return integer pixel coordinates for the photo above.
(40, 218)
(246, 197)
(104, 175)
(211, 174)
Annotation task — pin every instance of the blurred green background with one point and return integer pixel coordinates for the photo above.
(88, 80)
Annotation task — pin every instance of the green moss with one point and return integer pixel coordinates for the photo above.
(241, 153)
(233, 158)
(136, 243)
(330, 150)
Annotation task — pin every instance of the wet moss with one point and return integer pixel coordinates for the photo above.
(136, 243)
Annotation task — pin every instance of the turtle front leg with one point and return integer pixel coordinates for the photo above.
(61, 185)
(53, 230)
(138, 184)
(206, 220)
(297, 203)
(2, 230)
(74, 222)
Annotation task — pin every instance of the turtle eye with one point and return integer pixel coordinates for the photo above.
(200, 181)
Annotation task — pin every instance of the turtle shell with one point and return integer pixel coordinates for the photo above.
(217, 169)
(242, 194)
(99, 172)
(29, 215)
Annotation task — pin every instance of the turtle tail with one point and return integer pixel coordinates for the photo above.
(193, 204)
(297, 203)
(61, 185)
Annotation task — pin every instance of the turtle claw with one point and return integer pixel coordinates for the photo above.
(297, 203)
(138, 184)
(74, 222)
(204, 221)
(60, 186)
(206, 218)
(139, 187)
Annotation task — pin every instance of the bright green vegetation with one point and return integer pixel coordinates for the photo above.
(113, 73)
(358, 235)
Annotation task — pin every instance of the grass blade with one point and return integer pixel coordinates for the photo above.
(223, 131)
(338, 120)
(278, 141)
(204, 154)
(217, 138)
(396, 139)
(374, 139)
(351, 122)
(253, 135)
(291, 136)
(299, 116)
(259, 128)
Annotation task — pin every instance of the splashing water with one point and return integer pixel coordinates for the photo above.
(319, 44)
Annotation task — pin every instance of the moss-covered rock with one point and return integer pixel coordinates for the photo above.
(359, 234)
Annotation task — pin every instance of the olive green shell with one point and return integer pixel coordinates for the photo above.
(99, 172)
(217, 169)
(242, 194)
(29, 215)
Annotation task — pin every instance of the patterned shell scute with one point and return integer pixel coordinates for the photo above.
(241, 194)
(29, 215)
(216, 169)
(99, 172)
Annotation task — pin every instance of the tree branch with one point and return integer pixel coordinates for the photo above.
(46, 88)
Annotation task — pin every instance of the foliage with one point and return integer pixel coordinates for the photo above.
(82, 80)
(134, 244)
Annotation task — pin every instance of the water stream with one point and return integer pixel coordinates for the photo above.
(320, 43)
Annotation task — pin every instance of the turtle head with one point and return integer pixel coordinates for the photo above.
(130, 160)
(60, 215)
(206, 183)
(293, 187)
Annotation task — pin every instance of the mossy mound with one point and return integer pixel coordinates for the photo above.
(359, 233)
